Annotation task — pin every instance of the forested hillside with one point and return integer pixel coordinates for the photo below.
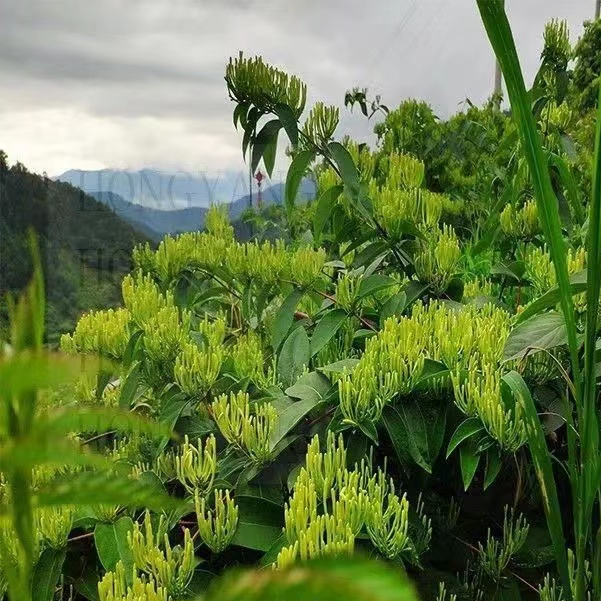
(86, 248)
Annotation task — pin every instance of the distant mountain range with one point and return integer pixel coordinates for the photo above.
(154, 203)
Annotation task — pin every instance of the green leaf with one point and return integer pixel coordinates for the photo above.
(260, 522)
(373, 283)
(469, 460)
(345, 163)
(284, 318)
(339, 366)
(395, 305)
(130, 385)
(108, 488)
(112, 544)
(46, 574)
(569, 184)
(269, 154)
(323, 209)
(100, 419)
(296, 172)
(552, 298)
(466, 429)
(543, 467)
(22, 373)
(310, 386)
(326, 329)
(321, 580)
(291, 417)
(501, 38)
(416, 429)
(263, 140)
(493, 466)
(294, 356)
(289, 122)
(543, 331)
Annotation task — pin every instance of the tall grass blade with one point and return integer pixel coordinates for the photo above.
(544, 473)
(499, 32)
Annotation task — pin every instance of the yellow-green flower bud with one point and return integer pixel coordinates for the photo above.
(217, 526)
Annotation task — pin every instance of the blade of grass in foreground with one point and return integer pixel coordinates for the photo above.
(544, 473)
(501, 38)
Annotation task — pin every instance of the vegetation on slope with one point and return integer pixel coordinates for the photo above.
(399, 374)
(86, 248)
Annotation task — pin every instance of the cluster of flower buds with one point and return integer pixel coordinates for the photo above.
(105, 332)
(469, 341)
(436, 261)
(331, 505)
(321, 123)
(494, 557)
(217, 526)
(347, 287)
(171, 568)
(165, 334)
(304, 265)
(391, 365)
(249, 430)
(478, 393)
(252, 81)
(452, 336)
(520, 223)
(403, 171)
(193, 465)
(478, 287)
(394, 207)
(54, 525)
(540, 270)
(143, 298)
(217, 222)
(387, 518)
(115, 587)
(324, 536)
(197, 369)
(248, 359)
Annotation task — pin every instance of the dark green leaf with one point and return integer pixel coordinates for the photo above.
(284, 318)
(325, 203)
(260, 523)
(466, 429)
(416, 429)
(294, 356)
(493, 466)
(296, 172)
(46, 574)
(130, 386)
(326, 329)
(112, 544)
(288, 121)
(543, 331)
(373, 283)
(469, 460)
(262, 141)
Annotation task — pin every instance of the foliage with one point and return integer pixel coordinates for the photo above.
(387, 370)
(85, 247)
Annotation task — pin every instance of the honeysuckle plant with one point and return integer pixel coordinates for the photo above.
(383, 376)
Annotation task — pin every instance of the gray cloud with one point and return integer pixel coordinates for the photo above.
(133, 83)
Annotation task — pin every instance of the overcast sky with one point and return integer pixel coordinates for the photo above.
(139, 83)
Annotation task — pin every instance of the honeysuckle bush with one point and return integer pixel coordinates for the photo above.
(389, 376)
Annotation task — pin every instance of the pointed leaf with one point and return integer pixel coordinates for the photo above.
(326, 329)
(296, 172)
(46, 574)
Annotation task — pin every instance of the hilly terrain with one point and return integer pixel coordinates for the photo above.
(86, 247)
(159, 214)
